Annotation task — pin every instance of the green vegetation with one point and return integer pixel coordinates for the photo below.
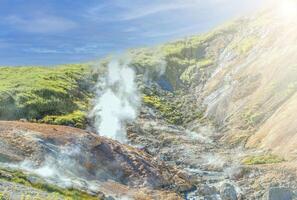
(252, 118)
(37, 92)
(183, 58)
(75, 119)
(262, 159)
(168, 111)
(173, 110)
(189, 74)
(24, 179)
(147, 61)
(245, 45)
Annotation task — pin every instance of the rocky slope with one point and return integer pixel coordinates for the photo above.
(252, 93)
(218, 170)
(242, 76)
(72, 157)
(240, 81)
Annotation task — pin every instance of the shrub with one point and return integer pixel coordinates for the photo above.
(262, 159)
(76, 119)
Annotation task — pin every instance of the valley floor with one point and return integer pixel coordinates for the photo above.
(218, 170)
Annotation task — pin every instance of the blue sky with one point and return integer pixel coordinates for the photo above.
(47, 32)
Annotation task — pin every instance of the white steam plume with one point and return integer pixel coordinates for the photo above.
(117, 101)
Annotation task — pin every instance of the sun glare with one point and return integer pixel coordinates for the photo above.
(288, 10)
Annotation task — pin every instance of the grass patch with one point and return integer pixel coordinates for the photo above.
(76, 119)
(252, 118)
(21, 178)
(177, 111)
(169, 111)
(189, 74)
(245, 45)
(262, 159)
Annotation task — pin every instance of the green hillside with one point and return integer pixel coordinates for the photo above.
(43, 93)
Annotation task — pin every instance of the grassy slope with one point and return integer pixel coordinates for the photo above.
(41, 93)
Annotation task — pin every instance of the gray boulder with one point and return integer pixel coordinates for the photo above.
(207, 190)
(228, 192)
(279, 193)
(212, 197)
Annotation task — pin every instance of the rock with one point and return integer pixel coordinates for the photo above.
(212, 197)
(183, 187)
(5, 175)
(279, 193)
(228, 192)
(34, 179)
(101, 195)
(207, 190)
(109, 198)
(182, 175)
(238, 173)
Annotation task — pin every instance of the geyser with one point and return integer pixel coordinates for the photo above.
(117, 101)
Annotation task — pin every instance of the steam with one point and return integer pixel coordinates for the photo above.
(117, 101)
(60, 167)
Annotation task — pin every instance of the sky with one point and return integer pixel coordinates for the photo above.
(50, 32)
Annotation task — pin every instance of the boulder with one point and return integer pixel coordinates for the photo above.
(212, 197)
(228, 192)
(279, 193)
(207, 190)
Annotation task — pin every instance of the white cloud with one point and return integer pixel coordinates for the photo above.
(150, 10)
(126, 10)
(137, 10)
(40, 24)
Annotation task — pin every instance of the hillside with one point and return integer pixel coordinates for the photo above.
(216, 121)
(243, 75)
(43, 93)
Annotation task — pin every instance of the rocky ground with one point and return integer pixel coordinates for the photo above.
(166, 162)
(216, 169)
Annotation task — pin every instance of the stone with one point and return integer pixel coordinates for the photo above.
(279, 193)
(207, 190)
(212, 197)
(228, 192)
(109, 198)
(34, 179)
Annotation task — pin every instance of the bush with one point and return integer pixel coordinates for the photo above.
(262, 159)
(76, 119)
